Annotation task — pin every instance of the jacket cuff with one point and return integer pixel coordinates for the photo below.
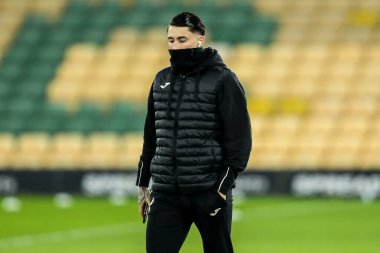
(226, 179)
(143, 174)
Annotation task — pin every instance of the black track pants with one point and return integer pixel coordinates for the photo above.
(170, 218)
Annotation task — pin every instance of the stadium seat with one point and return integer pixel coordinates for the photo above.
(30, 152)
(78, 70)
(65, 151)
(100, 150)
(7, 147)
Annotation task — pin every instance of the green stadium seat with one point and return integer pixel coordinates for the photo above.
(49, 53)
(44, 124)
(264, 22)
(75, 16)
(13, 124)
(262, 29)
(137, 19)
(3, 107)
(111, 124)
(10, 71)
(78, 124)
(122, 110)
(50, 119)
(89, 110)
(22, 107)
(71, 20)
(121, 118)
(18, 55)
(35, 22)
(54, 111)
(5, 90)
(60, 37)
(29, 37)
(94, 35)
(40, 45)
(105, 19)
(162, 18)
(111, 7)
(41, 71)
(78, 6)
(31, 89)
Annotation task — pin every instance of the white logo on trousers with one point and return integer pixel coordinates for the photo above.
(215, 212)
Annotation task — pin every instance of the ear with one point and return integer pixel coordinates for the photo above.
(201, 40)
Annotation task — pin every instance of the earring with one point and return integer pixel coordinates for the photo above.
(199, 44)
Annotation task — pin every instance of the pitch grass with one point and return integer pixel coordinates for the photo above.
(262, 225)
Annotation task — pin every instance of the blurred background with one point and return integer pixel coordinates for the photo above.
(74, 80)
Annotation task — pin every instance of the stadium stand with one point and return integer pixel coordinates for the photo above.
(75, 74)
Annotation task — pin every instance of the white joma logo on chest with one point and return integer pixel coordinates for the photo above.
(164, 86)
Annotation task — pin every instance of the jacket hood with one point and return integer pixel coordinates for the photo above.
(191, 60)
(212, 58)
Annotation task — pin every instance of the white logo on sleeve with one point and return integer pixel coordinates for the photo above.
(164, 86)
(215, 212)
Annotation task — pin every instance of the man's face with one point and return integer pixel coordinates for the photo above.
(182, 38)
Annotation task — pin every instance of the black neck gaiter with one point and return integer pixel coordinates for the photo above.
(186, 60)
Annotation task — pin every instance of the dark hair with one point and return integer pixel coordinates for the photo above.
(188, 19)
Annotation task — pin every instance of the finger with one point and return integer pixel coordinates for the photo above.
(147, 199)
(141, 208)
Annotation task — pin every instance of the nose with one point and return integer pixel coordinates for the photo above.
(175, 46)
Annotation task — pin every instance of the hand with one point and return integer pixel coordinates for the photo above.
(222, 195)
(143, 199)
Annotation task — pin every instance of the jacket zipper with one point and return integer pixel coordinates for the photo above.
(176, 132)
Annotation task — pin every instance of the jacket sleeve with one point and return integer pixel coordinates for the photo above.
(237, 139)
(149, 146)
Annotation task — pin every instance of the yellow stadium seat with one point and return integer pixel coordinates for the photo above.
(368, 156)
(332, 105)
(64, 92)
(97, 91)
(99, 151)
(116, 53)
(66, 151)
(258, 124)
(74, 71)
(51, 8)
(7, 147)
(106, 71)
(155, 35)
(129, 152)
(260, 106)
(82, 53)
(361, 107)
(125, 36)
(322, 124)
(283, 52)
(31, 151)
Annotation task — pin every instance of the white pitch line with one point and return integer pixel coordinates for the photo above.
(293, 209)
(67, 235)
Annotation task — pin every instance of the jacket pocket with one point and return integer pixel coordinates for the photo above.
(210, 203)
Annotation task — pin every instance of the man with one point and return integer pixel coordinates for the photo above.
(197, 138)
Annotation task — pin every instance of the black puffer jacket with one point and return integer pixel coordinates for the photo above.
(197, 134)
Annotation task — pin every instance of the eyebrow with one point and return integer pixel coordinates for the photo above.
(180, 37)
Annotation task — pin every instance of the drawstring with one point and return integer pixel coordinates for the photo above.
(169, 106)
(197, 81)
